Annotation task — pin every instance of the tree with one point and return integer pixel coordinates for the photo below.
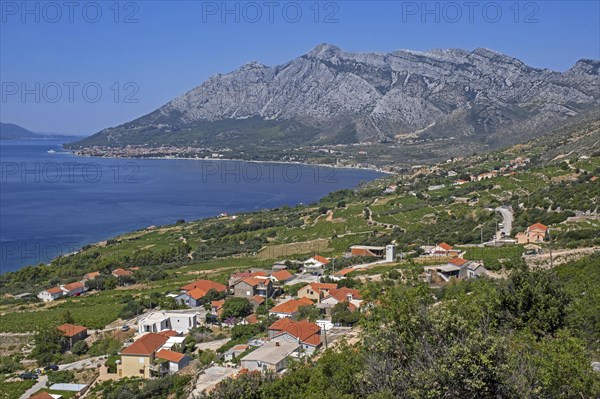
(48, 344)
(67, 318)
(341, 313)
(308, 312)
(80, 348)
(236, 307)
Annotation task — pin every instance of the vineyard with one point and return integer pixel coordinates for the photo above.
(14, 389)
(94, 312)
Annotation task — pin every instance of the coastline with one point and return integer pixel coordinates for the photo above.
(371, 169)
(96, 243)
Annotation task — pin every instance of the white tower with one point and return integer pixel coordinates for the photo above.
(390, 253)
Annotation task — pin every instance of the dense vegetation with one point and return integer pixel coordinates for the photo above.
(531, 336)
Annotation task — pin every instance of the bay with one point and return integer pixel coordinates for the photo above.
(54, 202)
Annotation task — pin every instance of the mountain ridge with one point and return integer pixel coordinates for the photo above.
(343, 97)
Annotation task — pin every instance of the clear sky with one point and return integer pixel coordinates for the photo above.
(78, 67)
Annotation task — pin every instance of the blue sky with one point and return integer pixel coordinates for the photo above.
(78, 70)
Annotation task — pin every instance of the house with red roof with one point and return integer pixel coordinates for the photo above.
(281, 277)
(50, 294)
(91, 275)
(193, 293)
(342, 274)
(442, 249)
(307, 334)
(137, 360)
(73, 289)
(536, 233)
(290, 308)
(121, 273)
(316, 291)
(343, 294)
(315, 264)
(170, 361)
(73, 333)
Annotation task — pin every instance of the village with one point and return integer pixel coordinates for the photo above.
(303, 306)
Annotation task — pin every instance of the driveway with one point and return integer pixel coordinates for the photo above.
(41, 383)
(211, 377)
(507, 220)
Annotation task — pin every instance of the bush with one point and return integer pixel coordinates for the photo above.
(61, 377)
(80, 348)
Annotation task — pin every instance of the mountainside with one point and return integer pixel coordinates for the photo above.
(330, 96)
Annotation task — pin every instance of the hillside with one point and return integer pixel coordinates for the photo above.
(10, 131)
(328, 96)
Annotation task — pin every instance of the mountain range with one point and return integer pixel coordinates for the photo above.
(330, 96)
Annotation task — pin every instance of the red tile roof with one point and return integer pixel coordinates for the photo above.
(258, 274)
(291, 306)
(121, 272)
(537, 226)
(196, 293)
(253, 281)
(306, 331)
(282, 275)
(341, 294)
(54, 290)
(323, 286)
(321, 259)
(252, 319)
(92, 275)
(146, 345)
(258, 299)
(205, 285)
(242, 274)
(217, 304)
(41, 395)
(345, 271)
(169, 355)
(457, 261)
(73, 286)
(445, 246)
(71, 330)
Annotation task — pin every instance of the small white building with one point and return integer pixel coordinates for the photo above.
(181, 322)
(51, 294)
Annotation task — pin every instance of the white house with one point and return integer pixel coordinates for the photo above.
(73, 289)
(181, 322)
(50, 294)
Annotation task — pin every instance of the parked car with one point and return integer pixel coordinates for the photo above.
(28, 376)
(125, 328)
(52, 367)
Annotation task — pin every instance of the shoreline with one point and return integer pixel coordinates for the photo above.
(99, 242)
(373, 169)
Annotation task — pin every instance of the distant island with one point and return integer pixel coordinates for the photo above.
(10, 131)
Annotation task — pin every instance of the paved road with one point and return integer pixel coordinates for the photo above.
(41, 383)
(507, 216)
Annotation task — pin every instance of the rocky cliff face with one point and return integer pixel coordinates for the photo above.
(343, 97)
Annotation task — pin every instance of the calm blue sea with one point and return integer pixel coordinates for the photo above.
(53, 203)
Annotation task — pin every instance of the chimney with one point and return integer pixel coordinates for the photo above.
(276, 343)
